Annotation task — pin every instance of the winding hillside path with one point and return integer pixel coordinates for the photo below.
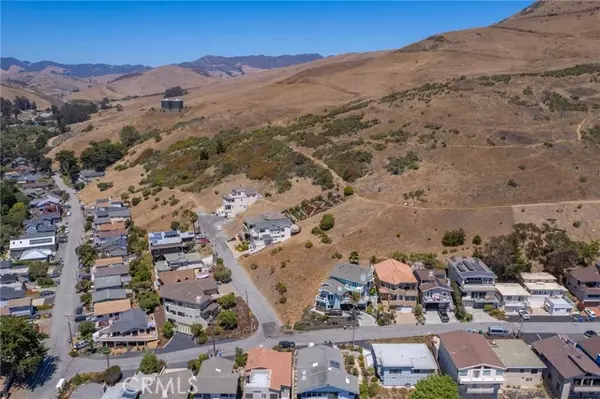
(581, 125)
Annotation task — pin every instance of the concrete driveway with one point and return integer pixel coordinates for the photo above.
(433, 317)
(480, 316)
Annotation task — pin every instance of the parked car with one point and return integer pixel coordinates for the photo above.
(590, 314)
(287, 344)
(80, 344)
(498, 331)
(443, 315)
(79, 310)
(524, 314)
(68, 213)
(80, 318)
(590, 333)
(47, 293)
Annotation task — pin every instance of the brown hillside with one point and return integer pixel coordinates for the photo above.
(500, 128)
(10, 93)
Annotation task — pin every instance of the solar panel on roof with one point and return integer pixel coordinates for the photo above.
(171, 234)
(469, 266)
(460, 267)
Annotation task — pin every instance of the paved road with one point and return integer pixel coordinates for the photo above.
(65, 302)
(266, 315)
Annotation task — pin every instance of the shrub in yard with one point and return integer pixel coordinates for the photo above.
(477, 240)
(453, 238)
(327, 222)
(348, 191)
(135, 201)
(112, 375)
(308, 244)
(104, 186)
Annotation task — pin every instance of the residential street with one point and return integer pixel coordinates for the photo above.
(266, 315)
(65, 302)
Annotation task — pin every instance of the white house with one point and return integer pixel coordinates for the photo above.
(237, 202)
(513, 297)
(541, 285)
(267, 229)
(27, 247)
(403, 364)
(558, 305)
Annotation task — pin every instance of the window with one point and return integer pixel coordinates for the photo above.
(521, 370)
(534, 371)
(499, 372)
(463, 373)
(487, 372)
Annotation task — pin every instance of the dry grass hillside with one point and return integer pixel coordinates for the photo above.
(10, 93)
(478, 129)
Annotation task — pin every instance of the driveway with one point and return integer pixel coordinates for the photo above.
(433, 317)
(365, 319)
(480, 316)
(267, 317)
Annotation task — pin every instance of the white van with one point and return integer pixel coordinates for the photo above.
(590, 313)
(60, 385)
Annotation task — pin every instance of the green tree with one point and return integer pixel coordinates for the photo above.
(348, 191)
(241, 357)
(87, 256)
(227, 301)
(453, 238)
(23, 347)
(168, 329)
(38, 270)
(327, 222)
(175, 225)
(68, 164)
(86, 329)
(227, 319)
(436, 386)
(195, 364)
(112, 375)
(148, 300)
(151, 364)
(100, 155)
(129, 135)
(222, 273)
(477, 240)
(199, 333)
(353, 258)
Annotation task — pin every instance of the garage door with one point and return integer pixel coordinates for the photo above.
(404, 309)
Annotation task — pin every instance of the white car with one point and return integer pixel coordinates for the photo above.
(69, 213)
(524, 314)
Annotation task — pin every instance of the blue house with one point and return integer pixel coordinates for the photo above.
(344, 279)
(403, 364)
(320, 373)
(21, 307)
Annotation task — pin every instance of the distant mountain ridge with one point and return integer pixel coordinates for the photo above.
(232, 66)
(76, 70)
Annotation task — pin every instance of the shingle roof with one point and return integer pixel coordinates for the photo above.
(468, 267)
(111, 271)
(108, 295)
(130, 320)
(103, 262)
(101, 283)
(280, 364)
(176, 276)
(351, 272)
(118, 306)
(469, 349)
(268, 220)
(9, 278)
(515, 353)
(112, 226)
(19, 302)
(8, 293)
(566, 359)
(6, 264)
(215, 376)
(394, 272)
(588, 274)
(322, 365)
(591, 346)
(189, 291)
(426, 274)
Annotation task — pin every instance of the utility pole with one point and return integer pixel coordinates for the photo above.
(249, 312)
(70, 331)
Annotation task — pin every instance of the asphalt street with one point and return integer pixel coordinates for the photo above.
(65, 302)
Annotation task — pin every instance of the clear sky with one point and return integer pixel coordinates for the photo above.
(165, 32)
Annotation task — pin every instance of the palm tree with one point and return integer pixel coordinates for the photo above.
(105, 350)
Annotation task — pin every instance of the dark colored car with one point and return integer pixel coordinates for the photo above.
(46, 293)
(590, 333)
(80, 318)
(287, 344)
(443, 315)
(79, 310)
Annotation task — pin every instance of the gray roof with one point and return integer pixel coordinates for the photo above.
(118, 241)
(515, 353)
(118, 212)
(321, 366)
(130, 320)
(183, 257)
(215, 376)
(102, 219)
(38, 235)
(351, 272)
(416, 356)
(107, 282)
(6, 264)
(111, 271)
(9, 278)
(88, 391)
(171, 384)
(108, 295)
(332, 286)
(8, 293)
(270, 220)
(470, 267)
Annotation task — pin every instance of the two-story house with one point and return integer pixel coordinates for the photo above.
(268, 374)
(107, 282)
(403, 364)
(591, 347)
(513, 297)
(541, 286)
(584, 284)
(470, 360)
(320, 373)
(113, 247)
(189, 302)
(179, 261)
(344, 279)
(36, 246)
(21, 307)
(267, 229)
(397, 285)
(475, 281)
(523, 367)
(162, 243)
(237, 202)
(570, 373)
(130, 328)
(216, 380)
(107, 310)
(121, 271)
(434, 289)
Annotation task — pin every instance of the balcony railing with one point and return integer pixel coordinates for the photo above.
(480, 390)
(498, 379)
(586, 388)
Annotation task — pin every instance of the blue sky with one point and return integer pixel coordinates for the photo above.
(157, 33)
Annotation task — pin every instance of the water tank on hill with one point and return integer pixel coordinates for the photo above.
(171, 104)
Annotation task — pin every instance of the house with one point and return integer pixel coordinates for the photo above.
(434, 289)
(39, 225)
(21, 307)
(36, 246)
(176, 276)
(216, 380)
(44, 185)
(523, 367)
(570, 373)
(397, 284)
(237, 202)
(122, 271)
(131, 327)
(172, 384)
(584, 284)
(266, 229)
(344, 279)
(170, 242)
(475, 280)
(470, 360)
(114, 213)
(179, 261)
(113, 247)
(87, 175)
(320, 373)
(591, 347)
(109, 294)
(11, 280)
(188, 303)
(132, 388)
(99, 221)
(103, 283)
(111, 226)
(540, 286)
(106, 262)
(8, 294)
(8, 267)
(101, 237)
(403, 364)
(268, 374)
(48, 204)
(513, 297)
(559, 306)
(110, 309)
